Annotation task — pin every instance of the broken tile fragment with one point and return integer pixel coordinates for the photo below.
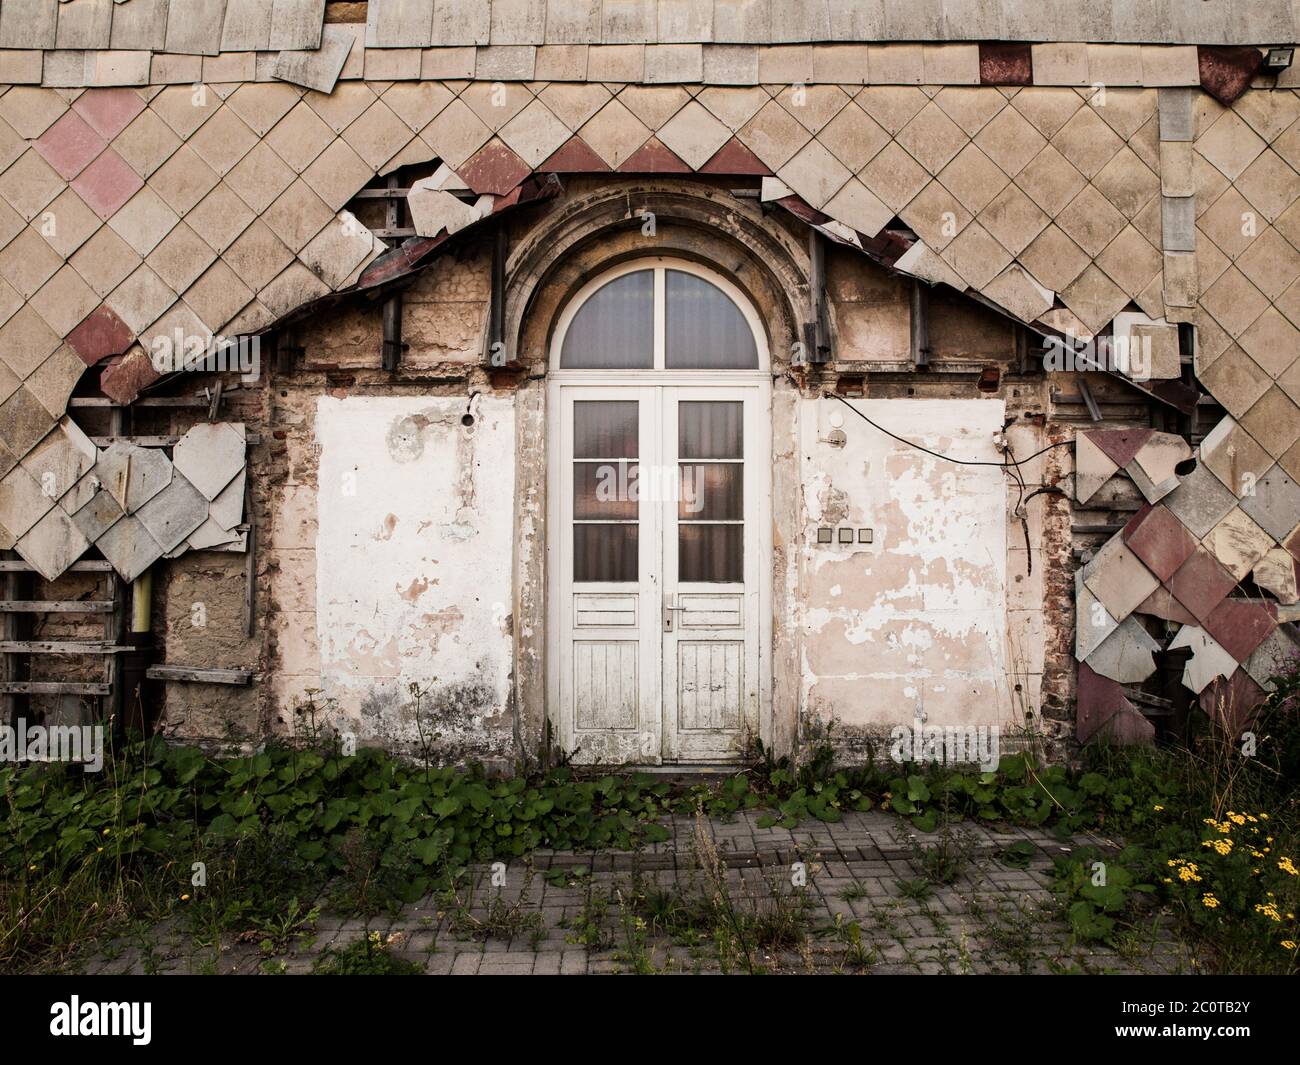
(210, 455)
(1127, 655)
(1275, 573)
(1275, 656)
(1208, 660)
(1093, 623)
(1092, 467)
(1232, 701)
(1238, 542)
(133, 474)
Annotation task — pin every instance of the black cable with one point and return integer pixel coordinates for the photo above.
(946, 458)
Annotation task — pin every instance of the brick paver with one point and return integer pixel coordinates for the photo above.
(862, 899)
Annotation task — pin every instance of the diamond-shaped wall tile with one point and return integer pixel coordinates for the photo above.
(1274, 422)
(174, 513)
(1127, 655)
(1236, 381)
(210, 455)
(133, 475)
(1095, 298)
(932, 138)
(1272, 342)
(22, 503)
(1160, 540)
(1201, 583)
(1087, 141)
(1233, 455)
(52, 545)
(1238, 542)
(1270, 185)
(1240, 626)
(1230, 144)
(1053, 258)
(1275, 503)
(129, 548)
(1093, 623)
(1118, 578)
(107, 183)
(69, 145)
(1200, 501)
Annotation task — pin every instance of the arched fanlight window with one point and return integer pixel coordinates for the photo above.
(668, 315)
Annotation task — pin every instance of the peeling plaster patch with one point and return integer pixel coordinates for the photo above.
(916, 620)
(414, 601)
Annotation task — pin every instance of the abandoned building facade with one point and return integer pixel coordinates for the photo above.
(631, 380)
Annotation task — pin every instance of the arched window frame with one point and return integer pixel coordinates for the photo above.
(659, 371)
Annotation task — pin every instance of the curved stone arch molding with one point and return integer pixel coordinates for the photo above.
(769, 265)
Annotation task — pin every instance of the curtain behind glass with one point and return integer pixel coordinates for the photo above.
(703, 328)
(614, 329)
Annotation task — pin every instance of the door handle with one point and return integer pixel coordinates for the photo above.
(668, 612)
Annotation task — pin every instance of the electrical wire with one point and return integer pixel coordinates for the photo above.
(936, 454)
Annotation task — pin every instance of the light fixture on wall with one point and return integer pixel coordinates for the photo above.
(1277, 60)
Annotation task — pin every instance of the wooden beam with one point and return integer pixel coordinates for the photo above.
(920, 332)
(1094, 412)
(197, 675)
(52, 687)
(62, 647)
(55, 606)
(815, 333)
(14, 565)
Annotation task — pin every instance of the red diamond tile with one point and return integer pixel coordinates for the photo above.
(494, 168)
(1098, 700)
(1120, 445)
(653, 157)
(574, 156)
(1159, 539)
(734, 158)
(1201, 583)
(69, 145)
(1227, 72)
(1240, 626)
(101, 334)
(1232, 702)
(109, 110)
(123, 381)
(107, 183)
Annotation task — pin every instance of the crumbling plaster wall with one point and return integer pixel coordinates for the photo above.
(358, 606)
(916, 622)
(413, 573)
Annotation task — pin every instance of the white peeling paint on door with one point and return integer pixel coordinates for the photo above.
(915, 619)
(414, 563)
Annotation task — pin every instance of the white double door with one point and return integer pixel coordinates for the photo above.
(659, 503)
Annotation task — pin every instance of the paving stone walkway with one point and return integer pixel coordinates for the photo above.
(865, 895)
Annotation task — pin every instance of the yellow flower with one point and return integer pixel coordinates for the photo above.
(1222, 846)
(107, 831)
(1288, 944)
(1288, 866)
(1263, 817)
(1157, 808)
(185, 898)
(1209, 901)
(31, 868)
(1188, 872)
(1237, 819)
(1269, 911)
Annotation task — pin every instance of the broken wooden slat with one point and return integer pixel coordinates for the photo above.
(52, 687)
(155, 441)
(197, 675)
(61, 647)
(55, 606)
(13, 565)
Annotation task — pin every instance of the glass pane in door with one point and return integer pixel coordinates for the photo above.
(711, 493)
(606, 508)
